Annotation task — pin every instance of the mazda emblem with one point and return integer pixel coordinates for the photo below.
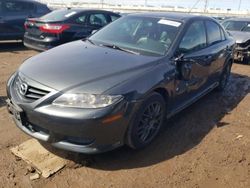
(23, 88)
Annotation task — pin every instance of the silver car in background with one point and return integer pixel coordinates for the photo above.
(239, 28)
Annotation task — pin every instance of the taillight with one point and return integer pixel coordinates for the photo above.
(29, 22)
(25, 25)
(53, 28)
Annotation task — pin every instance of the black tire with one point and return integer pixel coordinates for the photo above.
(147, 122)
(224, 77)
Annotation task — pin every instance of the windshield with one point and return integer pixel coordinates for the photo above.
(237, 26)
(145, 35)
(58, 15)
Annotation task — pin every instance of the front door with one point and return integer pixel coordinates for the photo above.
(194, 65)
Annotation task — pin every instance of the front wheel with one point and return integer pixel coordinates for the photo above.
(224, 77)
(147, 122)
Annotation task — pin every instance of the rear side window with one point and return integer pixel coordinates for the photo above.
(194, 39)
(81, 19)
(12, 6)
(59, 15)
(213, 32)
(98, 19)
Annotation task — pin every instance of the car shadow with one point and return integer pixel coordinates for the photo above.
(3, 101)
(180, 134)
(12, 46)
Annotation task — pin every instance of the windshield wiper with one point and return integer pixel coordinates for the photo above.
(90, 41)
(120, 48)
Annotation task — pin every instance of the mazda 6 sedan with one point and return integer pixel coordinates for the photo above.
(117, 86)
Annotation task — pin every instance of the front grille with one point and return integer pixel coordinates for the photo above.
(27, 91)
(35, 93)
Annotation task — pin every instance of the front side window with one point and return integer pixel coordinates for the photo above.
(98, 19)
(213, 32)
(145, 35)
(194, 39)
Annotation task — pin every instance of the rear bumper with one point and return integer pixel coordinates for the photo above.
(41, 45)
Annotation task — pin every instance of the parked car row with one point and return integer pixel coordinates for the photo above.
(65, 25)
(117, 86)
(41, 29)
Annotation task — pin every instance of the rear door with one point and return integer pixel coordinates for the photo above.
(15, 13)
(79, 26)
(217, 48)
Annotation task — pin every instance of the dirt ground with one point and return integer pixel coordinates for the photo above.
(206, 145)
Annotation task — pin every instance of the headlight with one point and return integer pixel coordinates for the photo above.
(86, 100)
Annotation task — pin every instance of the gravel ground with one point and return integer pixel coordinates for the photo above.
(206, 145)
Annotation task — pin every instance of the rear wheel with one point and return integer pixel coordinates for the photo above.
(147, 122)
(224, 77)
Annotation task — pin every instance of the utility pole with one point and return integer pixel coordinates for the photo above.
(239, 5)
(146, 3)
(102, 3)
(206, 5)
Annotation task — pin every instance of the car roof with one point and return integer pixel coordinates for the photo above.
(238, 19)
(171, 15)
(80, 10)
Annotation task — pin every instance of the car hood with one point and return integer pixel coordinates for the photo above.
(80, 63)
(240, 36)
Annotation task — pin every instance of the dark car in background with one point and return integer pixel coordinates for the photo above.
(13, 14)
(64, 25)
(117, 86)
(239, 28)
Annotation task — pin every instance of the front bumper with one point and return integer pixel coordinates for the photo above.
(240, 53)
(77, 130)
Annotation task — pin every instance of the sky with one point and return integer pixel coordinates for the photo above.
(222, 4)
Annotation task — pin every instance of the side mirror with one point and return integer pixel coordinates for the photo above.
(183, 67)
